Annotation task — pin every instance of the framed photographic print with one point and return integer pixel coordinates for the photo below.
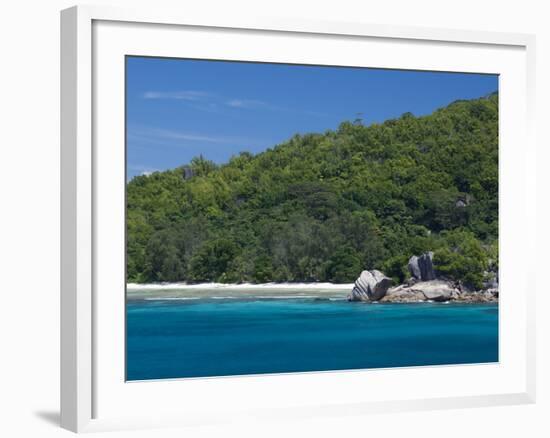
(280, 218)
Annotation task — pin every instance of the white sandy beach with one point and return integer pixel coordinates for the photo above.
(160, 291)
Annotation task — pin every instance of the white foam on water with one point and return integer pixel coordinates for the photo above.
(170, 298)
(284, 297)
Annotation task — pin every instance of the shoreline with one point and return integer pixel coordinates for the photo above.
(174, 291)
(330, 291)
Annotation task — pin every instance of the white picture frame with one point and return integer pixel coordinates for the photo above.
(93, 39)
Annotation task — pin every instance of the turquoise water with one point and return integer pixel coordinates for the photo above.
(208, 337)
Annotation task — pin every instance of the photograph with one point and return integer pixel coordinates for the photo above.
(275, 219)
(291, 218)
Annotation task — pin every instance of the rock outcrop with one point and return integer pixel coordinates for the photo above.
(421, 267)
(370, 286)
(480, 296)
(439, 291)
(188, 172)
(433, 290)
(422, 286)
(403, 294)
(491, 280)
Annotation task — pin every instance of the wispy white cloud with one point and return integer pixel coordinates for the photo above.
(189, 95)
(166, 137)
(210, 102)
(140, 169)
(252, 104)
(248, 104)
(183, 135)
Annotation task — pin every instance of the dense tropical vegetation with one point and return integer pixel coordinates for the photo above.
(323, 207)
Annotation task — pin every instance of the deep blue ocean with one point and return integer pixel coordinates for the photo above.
(209, 337)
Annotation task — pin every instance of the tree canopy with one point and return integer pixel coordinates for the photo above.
(324, 206)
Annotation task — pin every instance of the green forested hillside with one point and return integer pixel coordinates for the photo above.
(323, 207)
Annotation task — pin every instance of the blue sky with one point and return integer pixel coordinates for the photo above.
(178, 109)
